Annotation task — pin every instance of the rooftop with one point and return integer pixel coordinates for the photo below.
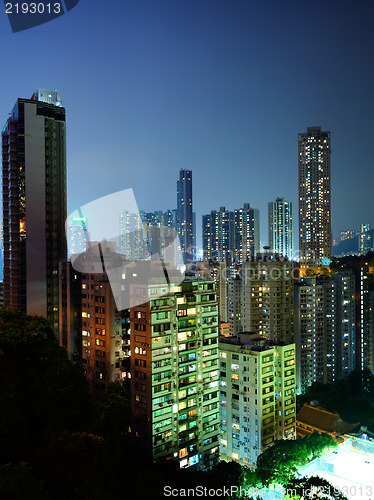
(318, 417)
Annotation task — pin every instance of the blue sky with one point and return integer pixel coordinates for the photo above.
(218, 87)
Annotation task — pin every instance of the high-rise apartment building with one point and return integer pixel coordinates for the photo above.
(234, 304)
(257, 396)
(247, 233)
(34, 203)
(365, 318)
(77, 235)
(268, 297)
(231, 235)
(365, 239)
(325, 325)
(144, 234)
(345, 322)
(105, 330)
(132, 240)
(314, 197)
(219, 235)
(185, 217)
(280, 224)
(315, 331)
(174, 372)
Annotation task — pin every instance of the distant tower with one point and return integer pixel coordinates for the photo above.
(218, 235)
(185, 219)
(77, 235)
(314, 197)
(34, 203)
(365, 239)
(280, 223)
(247, 233)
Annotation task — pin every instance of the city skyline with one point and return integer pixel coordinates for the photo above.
(171, 295)
(231, 100)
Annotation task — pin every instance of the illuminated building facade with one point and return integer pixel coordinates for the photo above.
(365, 319)
(105, 330)
(268, 297)
(257, 396)
(316, 331)
(231, 235)
(280, 224)
(345, 322)
(219, 235)
(247, 233)
(365, 239)
(77, 235)
(34, 204)
(234, 299)
(314, 197)
(174, 372)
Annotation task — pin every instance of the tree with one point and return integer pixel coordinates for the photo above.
(280, 462)
(41, 391)
(19, 481)
(111, 413)
(312, 488)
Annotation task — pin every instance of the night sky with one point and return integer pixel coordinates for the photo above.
(218, 87)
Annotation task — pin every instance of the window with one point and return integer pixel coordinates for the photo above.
(140, 362)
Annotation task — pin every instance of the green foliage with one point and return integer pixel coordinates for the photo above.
(280, 462)
(352, 398)
(40, 390)
(312, 488)
(111, 413)
(71, 465)
(310, 272)
(19, 481)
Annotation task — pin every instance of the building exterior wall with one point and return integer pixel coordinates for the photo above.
(316, 328)
(185, 219)
(34, 206)
(105, 330)
(257, 396)
(174, 373)
(268, 297)
(314, 197)
(280, 225)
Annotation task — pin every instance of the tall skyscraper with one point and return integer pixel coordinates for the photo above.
(267, 299)
(185, 218)
(231, 235)
(105, 337)
(132, 241)
(314, 197)
(219, 235)
(345, 327)
(365, 239)
(247, 233)
(174, 372)
(34, 203)
(280, 223)
(77, 235)
(316, 331)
